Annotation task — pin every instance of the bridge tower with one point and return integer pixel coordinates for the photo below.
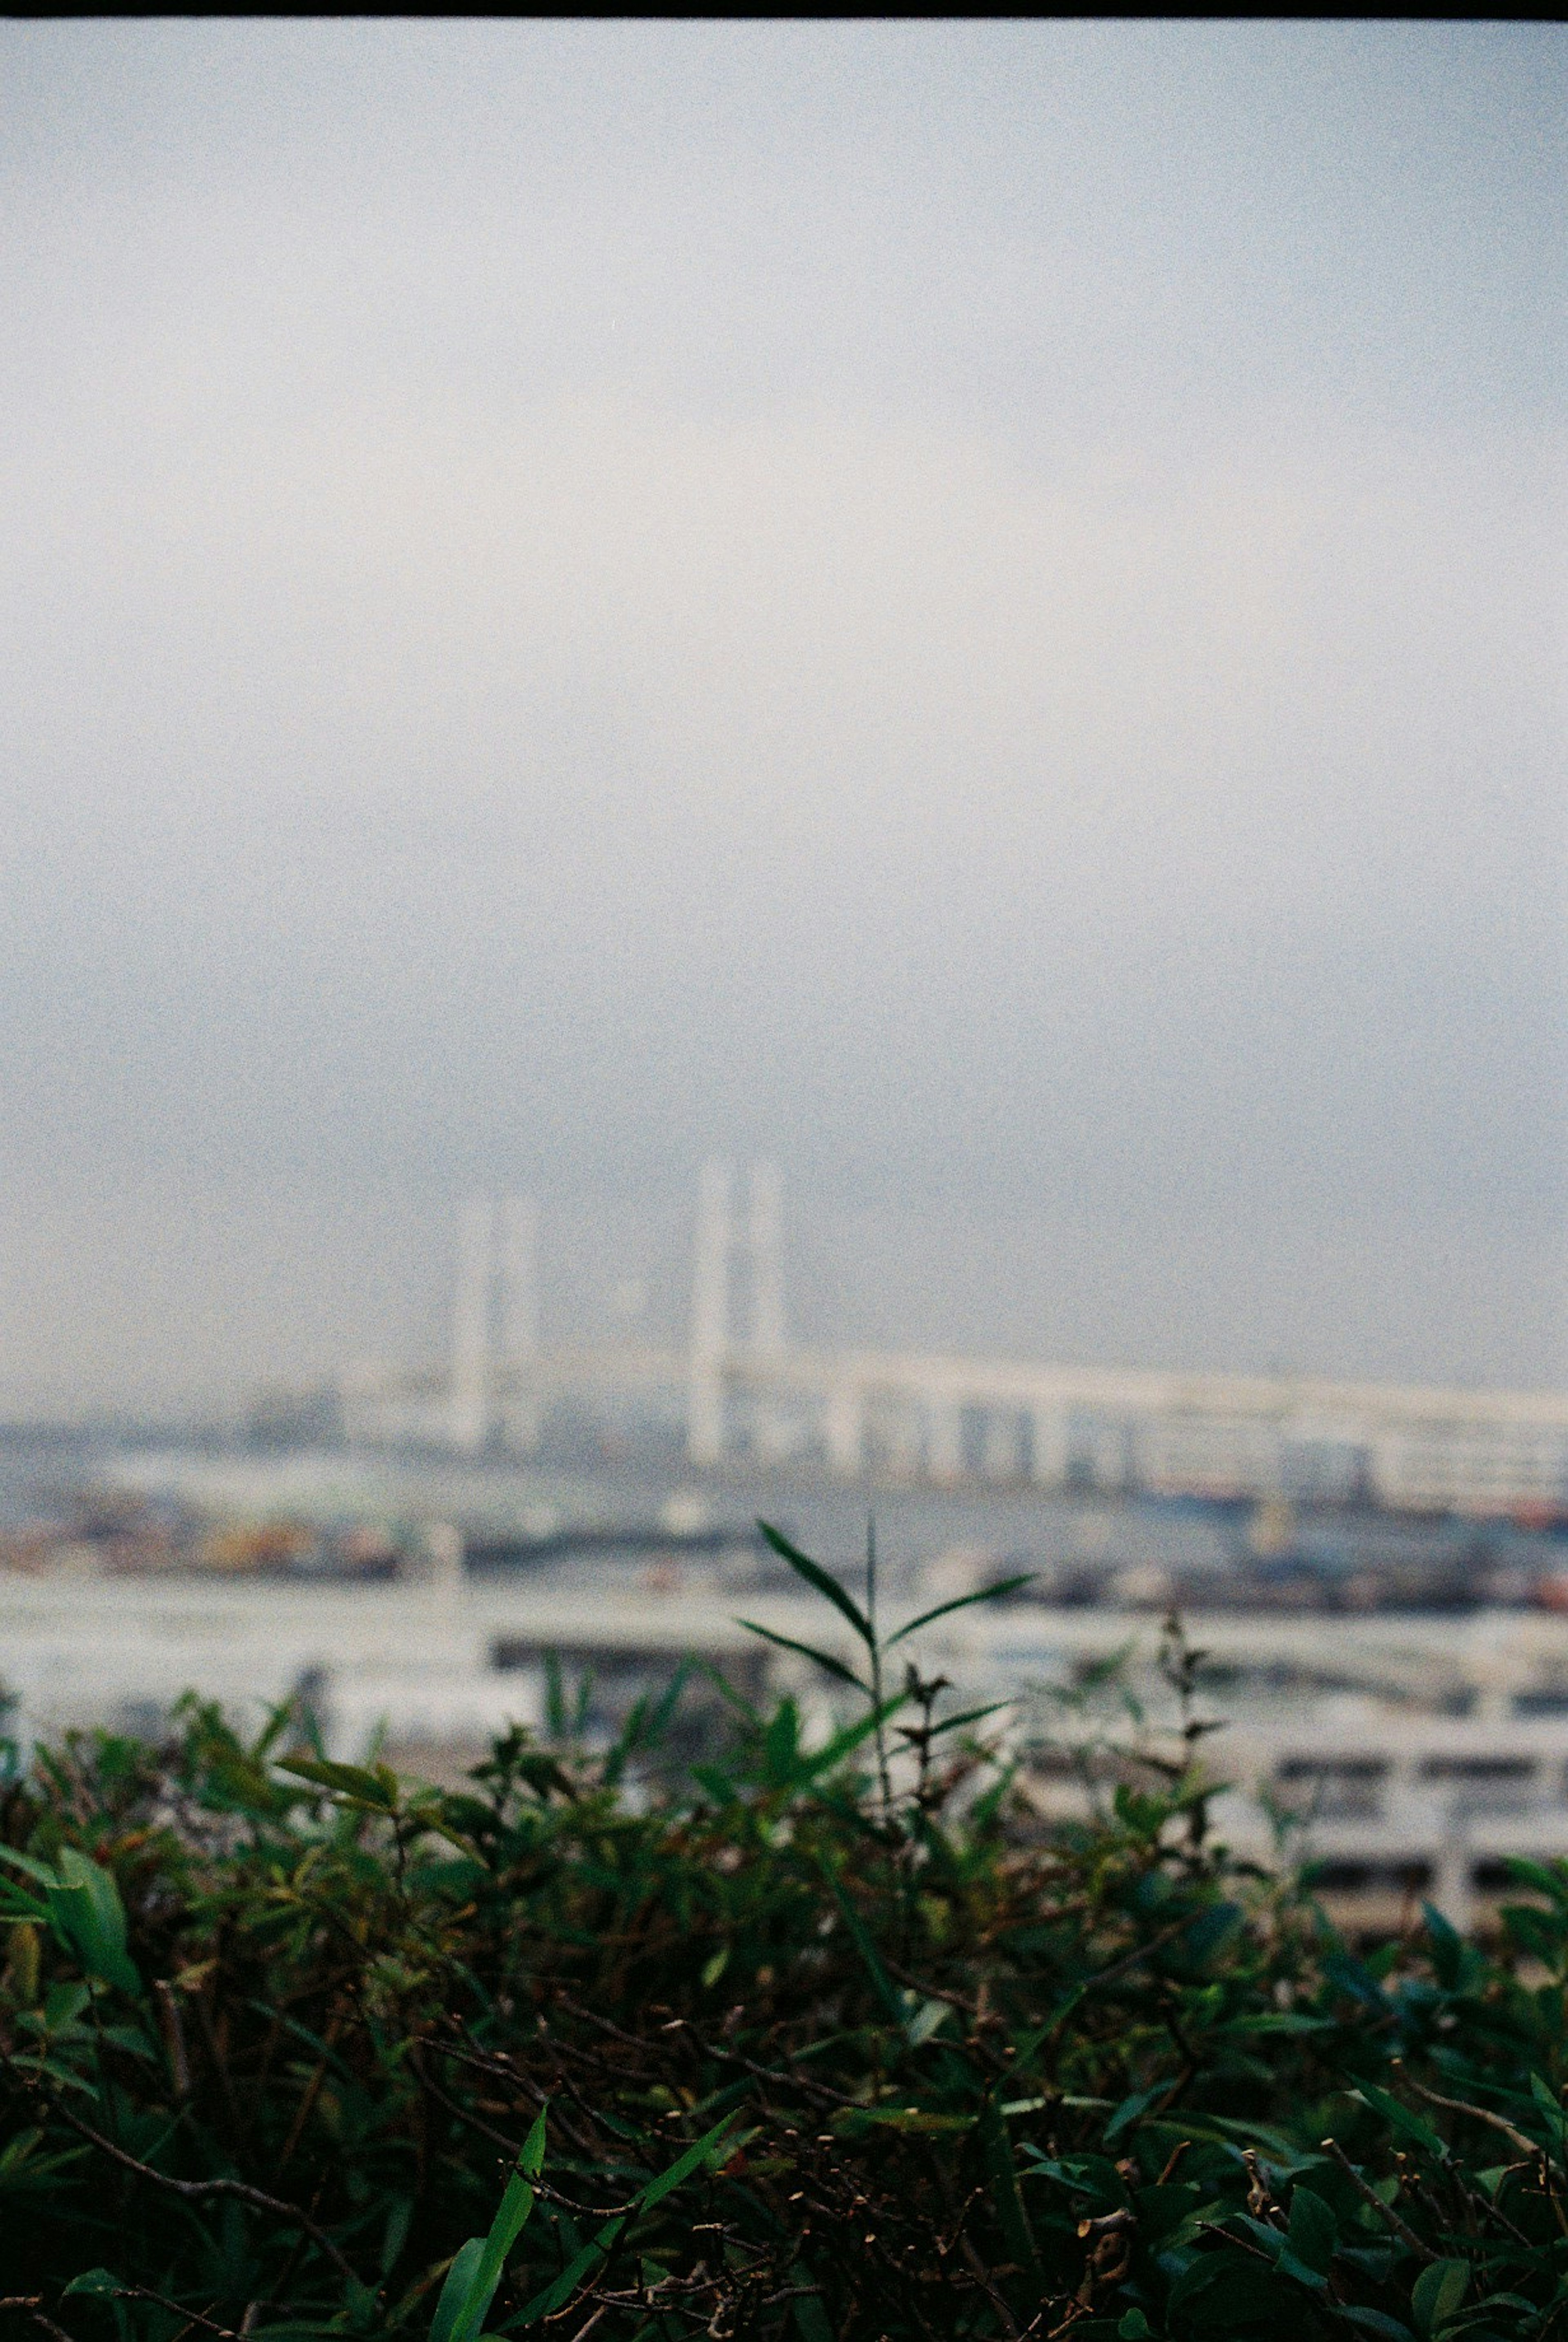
(519, 1296)
(737, 1294)
(494, 1325)
(468, 1419)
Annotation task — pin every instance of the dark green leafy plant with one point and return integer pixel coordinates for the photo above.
(819, 2041)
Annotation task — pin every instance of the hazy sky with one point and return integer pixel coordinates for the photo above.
(977, 608)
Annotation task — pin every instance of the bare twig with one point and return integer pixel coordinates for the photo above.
(978, 2270)
(196, 2190)
(511, 2146)
(172, 2025)
(1244, 2243)
(31, 2304)
(191, 2316)
(1529, 2147)
(1385, 2212)
(810, 2090)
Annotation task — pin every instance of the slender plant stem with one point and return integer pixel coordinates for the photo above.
(883, 1775)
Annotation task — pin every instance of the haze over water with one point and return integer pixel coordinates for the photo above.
(974, 609)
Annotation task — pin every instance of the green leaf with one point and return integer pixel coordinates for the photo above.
(1162, 2211)
(472, 2280)
(1290, 2265)
(961, 1602)
(816, 1576)
(18, 1909)
(1437, 2293)
(1199, 1942)
(728, 1694)
(375, 1791)
(39, 1872)
(1447, 1947)
(1409, 2125)
(626, 1743)
(997, 2152)
(1253, 2133)
(1233, 2288)
(1355, 1979)
(780, 1740)
(659, 1722)
(823, 1659)
(847, 1739)
(544, 1773)
(863, 1942)
(1546, 1879)
(1550, 2104)
(1129, 2110)
(98, 2283)
(553, 2298)
(90, 1918)
(462, 2281)
(65, 2006)
(1313, 2230)
(668, 2181)
(395, 2235)
(967, 1715)
(511, 2214)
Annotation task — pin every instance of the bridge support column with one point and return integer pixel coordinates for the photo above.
(1001, 1443)
(1048, 1440)
(944, 1440)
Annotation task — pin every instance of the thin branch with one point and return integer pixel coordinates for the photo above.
(541, 2188)
(966, 2007)
(191, 2316)
(194, 2190)
(978, 2270)
(1385, 2212)
(1479, 2114)
(812, 2089)
(510, 2146)
(1244, 2244)
(31, 2304)
(173, 2032)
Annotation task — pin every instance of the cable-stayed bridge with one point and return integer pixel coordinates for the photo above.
(743, 1390)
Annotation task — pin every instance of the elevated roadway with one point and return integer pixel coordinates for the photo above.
(946, 1419)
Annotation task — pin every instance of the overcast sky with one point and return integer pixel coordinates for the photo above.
(976, 608)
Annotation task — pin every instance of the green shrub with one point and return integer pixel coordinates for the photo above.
(821, 2043)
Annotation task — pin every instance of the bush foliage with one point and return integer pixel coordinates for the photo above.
(818, 2042)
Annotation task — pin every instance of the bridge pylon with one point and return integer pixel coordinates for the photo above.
(737, 1296)
(494, 1326)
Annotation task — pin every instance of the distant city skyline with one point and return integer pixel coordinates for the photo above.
(974, 609)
